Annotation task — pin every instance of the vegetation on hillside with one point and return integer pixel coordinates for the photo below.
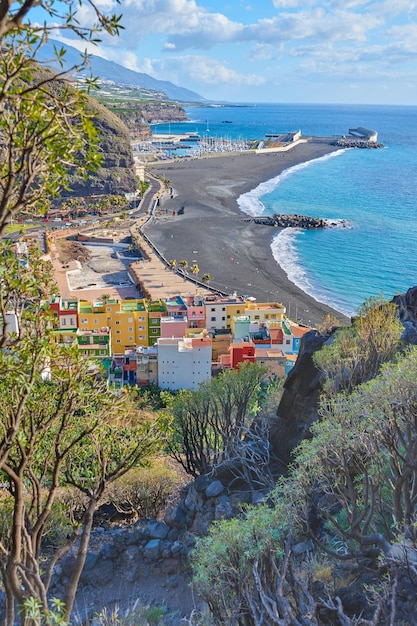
(338, 545)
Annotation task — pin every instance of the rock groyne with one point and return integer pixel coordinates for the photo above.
(294, 221)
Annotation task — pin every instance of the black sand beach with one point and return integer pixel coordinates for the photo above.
(212, 232)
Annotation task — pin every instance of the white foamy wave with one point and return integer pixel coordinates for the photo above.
(250, 203)
(286, 255)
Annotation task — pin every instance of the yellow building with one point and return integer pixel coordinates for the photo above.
(127, 319)
(260, 312)
(233, 309)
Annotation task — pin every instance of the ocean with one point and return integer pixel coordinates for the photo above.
(373, 191)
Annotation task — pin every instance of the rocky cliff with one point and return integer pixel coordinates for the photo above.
(138, 115)
(298, 407)
(117, 172)
(407, 306)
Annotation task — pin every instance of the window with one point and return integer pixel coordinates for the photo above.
(141, 336)
(102, 352)
(141, 318)
(96, 322)
(130, 338)
(63, 322)
(130, 329)
(237, 312)
(223, 318)
(118, 341)
(141, 328)
(223, 308)
(109, 319)
(117, 332)
(228, 317)
(84, 320)
(130, 319)
(288, 341)
(117, 322)
(212, 319)
(108, 309)
(256, 317)
(154, 331)
(212, 310)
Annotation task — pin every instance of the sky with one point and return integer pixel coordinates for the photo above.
(310, 51)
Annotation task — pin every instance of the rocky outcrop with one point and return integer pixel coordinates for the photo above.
(138, 115)
(128, 557)
(298, 407)
(407, 310)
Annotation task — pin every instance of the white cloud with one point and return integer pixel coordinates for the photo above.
(204, 70)
(263, 52)
(287, 4)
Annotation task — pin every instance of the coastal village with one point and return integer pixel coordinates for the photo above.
(157, 325)
(177, 335)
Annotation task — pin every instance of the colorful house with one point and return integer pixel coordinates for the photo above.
(273, 359)
(221, 310)
(240, 327)
(173, 326)
(241, 351)
(146, 366)
(129, 320)
(95, 344)
(122, 370)
(260, 312)
(65, 312)
(156, 309)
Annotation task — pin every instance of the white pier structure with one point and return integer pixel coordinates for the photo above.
(364, 133)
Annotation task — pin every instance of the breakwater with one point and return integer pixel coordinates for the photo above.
(356, 142)
(294, 221)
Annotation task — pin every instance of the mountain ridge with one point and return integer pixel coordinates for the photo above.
(116, 73)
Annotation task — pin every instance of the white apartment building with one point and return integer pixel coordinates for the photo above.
(184, 363)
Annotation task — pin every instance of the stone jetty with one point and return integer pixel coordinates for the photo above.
(286, 221)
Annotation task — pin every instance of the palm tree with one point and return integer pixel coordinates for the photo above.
(194, 270)
(206, 278)
(184, 265)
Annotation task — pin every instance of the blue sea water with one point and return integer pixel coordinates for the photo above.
(375, 191)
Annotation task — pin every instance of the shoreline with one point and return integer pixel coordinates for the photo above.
(210, 229)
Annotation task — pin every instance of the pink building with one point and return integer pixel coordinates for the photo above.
(173, 326)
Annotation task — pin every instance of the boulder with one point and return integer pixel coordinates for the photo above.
(214, 489)
(152, 550)
(176, 517)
